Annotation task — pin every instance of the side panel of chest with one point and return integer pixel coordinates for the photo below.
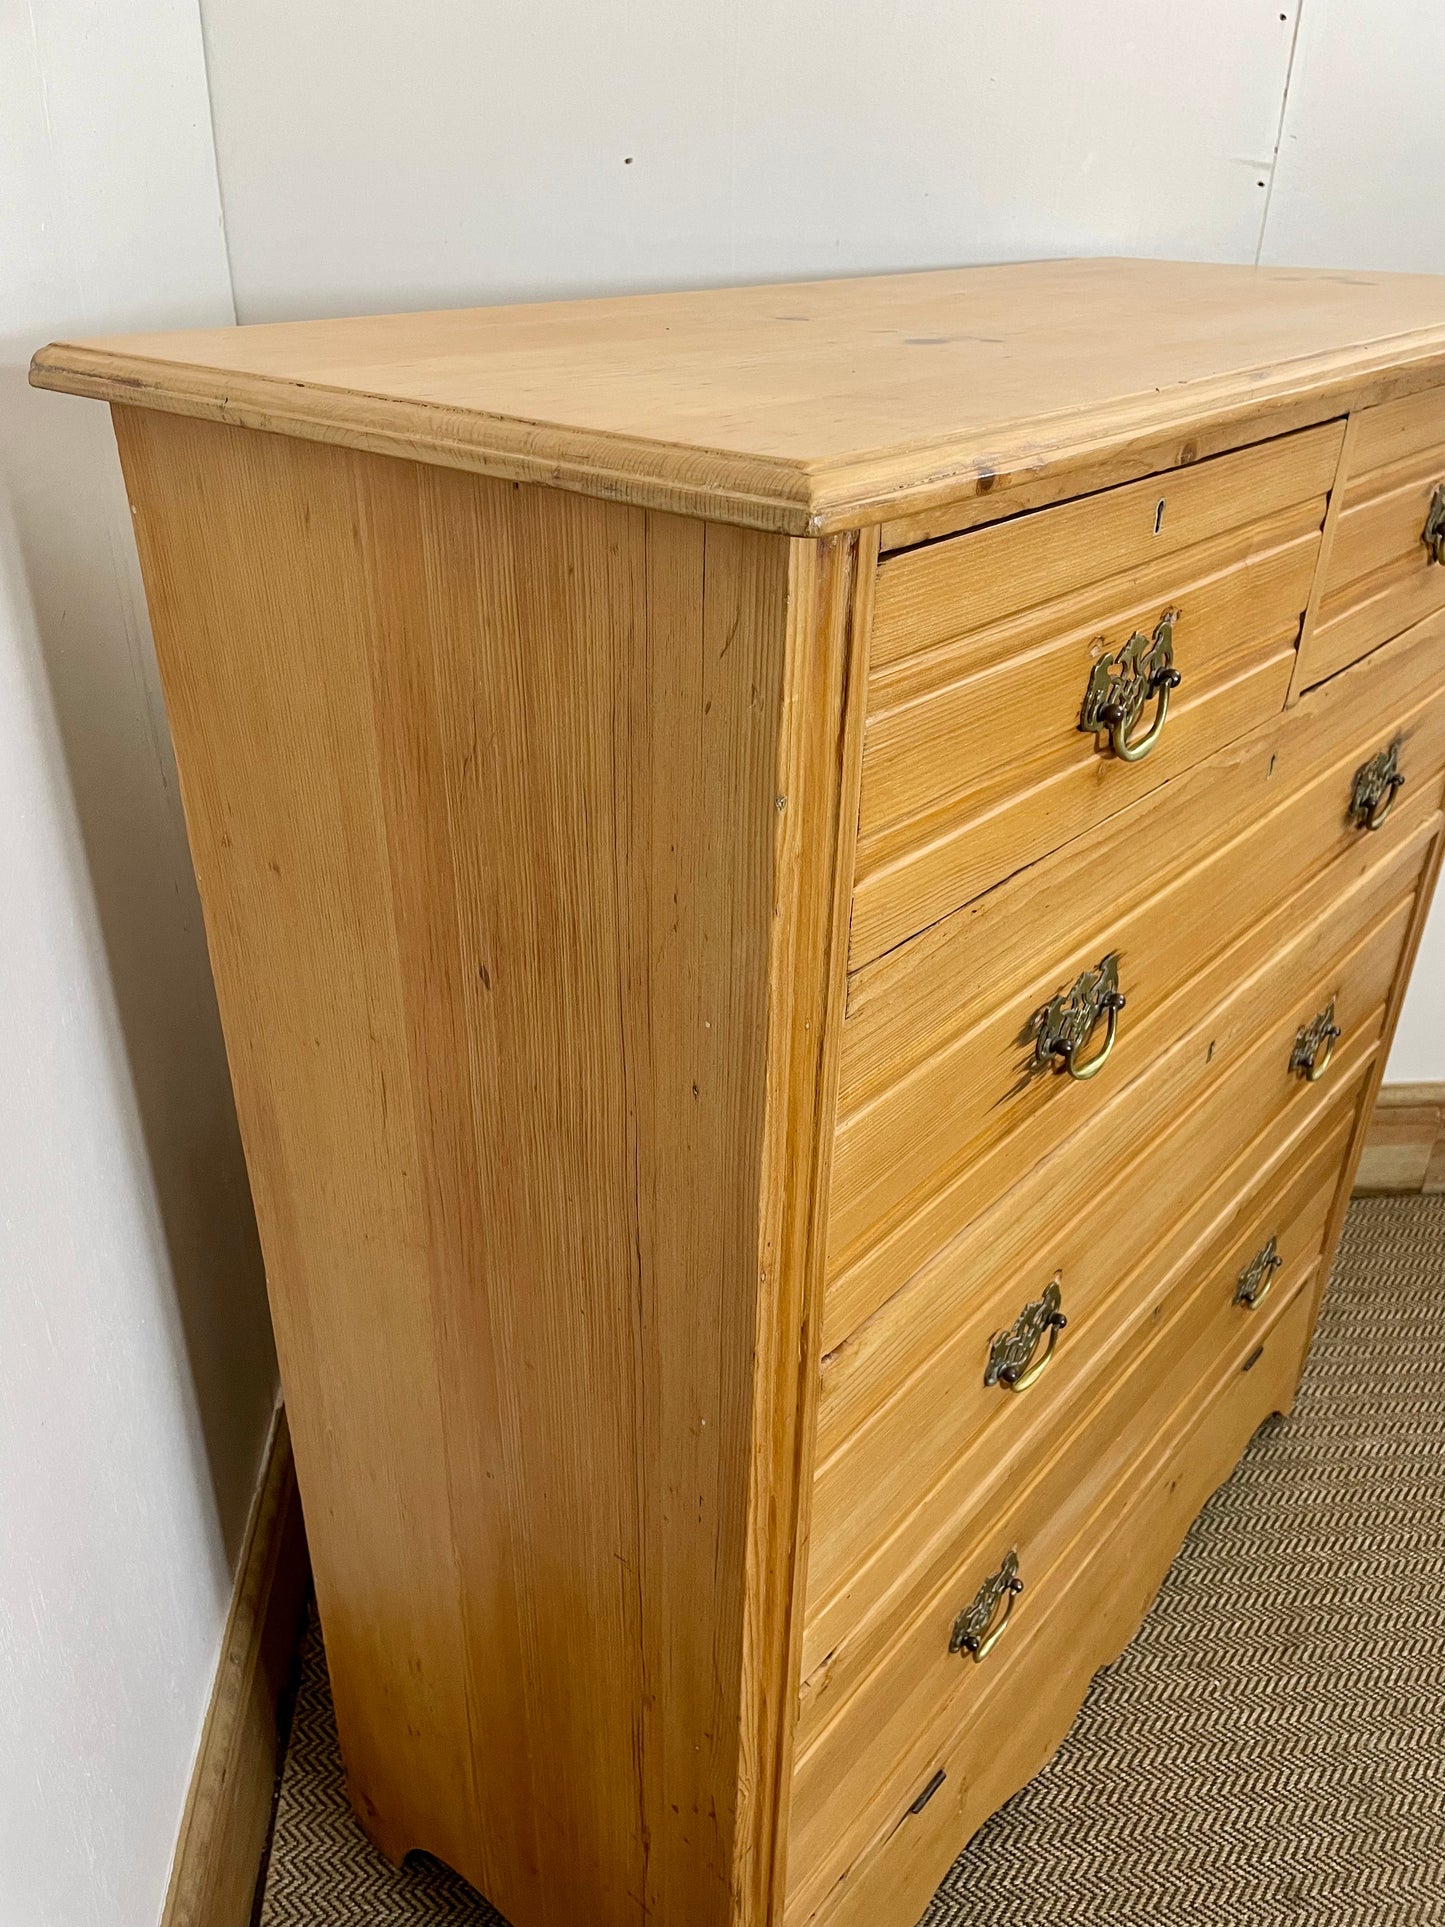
(515, 817)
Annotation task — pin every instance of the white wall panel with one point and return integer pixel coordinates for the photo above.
(1359, 177)
(376, 155)
(136, 1376)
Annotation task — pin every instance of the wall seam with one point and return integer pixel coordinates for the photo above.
(216, 158)
(1279, 131)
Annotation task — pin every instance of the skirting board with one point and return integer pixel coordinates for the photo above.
(1405, 1149)
(227, 1815)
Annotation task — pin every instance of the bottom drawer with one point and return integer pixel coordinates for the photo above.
(1020, 1717)
(873, 1757)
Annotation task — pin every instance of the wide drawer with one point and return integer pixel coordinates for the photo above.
(876, 1751)
(1381, 574)
(910, 1412)
(940, 1069)
(986, 649)
(888, 1869)
(895, 1488)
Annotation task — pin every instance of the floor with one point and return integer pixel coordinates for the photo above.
(1271, 1747)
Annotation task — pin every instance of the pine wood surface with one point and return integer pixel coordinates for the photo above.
(626, 897)
(849, 1578)
(864, 1764)
(1092, 1221)
(807, 407)
(943, 589)
(1177, 1075)
(951, 1465)
(1011, 1731)
(531, 1141)
(1378, 577)
(1424, 897)
(954, 732)
(982, 1085)
(952, 1476)
(903, 1006)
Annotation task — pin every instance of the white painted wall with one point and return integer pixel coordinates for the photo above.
(374, 155)
(1357, 185)
(136, 1378)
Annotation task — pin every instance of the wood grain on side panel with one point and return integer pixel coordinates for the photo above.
(523, 950)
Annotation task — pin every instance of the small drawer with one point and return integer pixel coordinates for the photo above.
(1385, 566)
(941, 1062)
(1031, 678)
(859, 1767)
(920, 1446)
(1016, 1713)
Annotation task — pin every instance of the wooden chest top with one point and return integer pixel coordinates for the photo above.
(805, 408)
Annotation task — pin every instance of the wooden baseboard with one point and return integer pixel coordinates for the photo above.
(1405, 1149)
(227, 1816)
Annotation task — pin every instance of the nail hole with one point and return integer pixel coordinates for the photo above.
(1159, 518)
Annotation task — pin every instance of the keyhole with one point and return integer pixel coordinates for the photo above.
(1159, 518)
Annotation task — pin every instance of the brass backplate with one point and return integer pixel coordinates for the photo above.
(1066, 1022)
(1311, 1039)
(1122, 682)
(972, 1624)
(1433, 534)
(1374, 782)
(1011, 1352)
(1254, 1280)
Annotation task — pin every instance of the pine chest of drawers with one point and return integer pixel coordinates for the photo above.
(808, 888)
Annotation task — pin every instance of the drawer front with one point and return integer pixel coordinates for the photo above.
(940, 1074)
(911, 1412)
(1077, 1624)
(990, 651)
(1381, 574)
(1087, 1214)
(874, 1754)
(897, 1486)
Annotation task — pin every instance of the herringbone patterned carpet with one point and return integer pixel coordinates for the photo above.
(1270, 1749)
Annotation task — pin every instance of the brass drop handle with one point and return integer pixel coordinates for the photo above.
(1320, 1063)
(980, 1626)
(1082, 1072)
(1433, 533)
(1120, 686)
(1314, 1045)
(1375, 786)
(1255, 1280)
(1066, 1023)
(1136, 750)
(1013, 1355)
(1376, 818)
